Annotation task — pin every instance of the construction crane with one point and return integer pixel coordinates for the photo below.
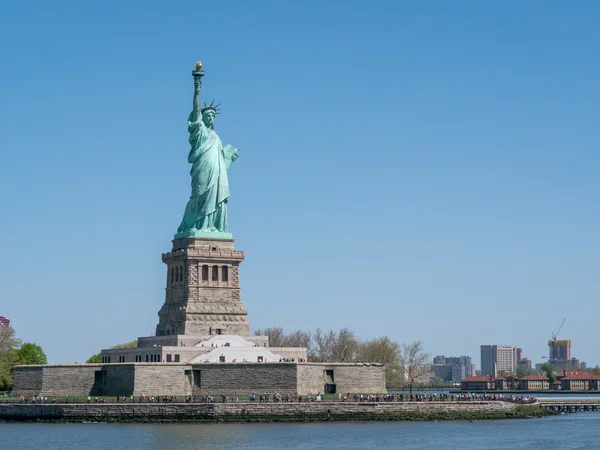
(555, 335)
(552, 342)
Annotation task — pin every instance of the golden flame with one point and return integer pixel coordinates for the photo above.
(198, 65)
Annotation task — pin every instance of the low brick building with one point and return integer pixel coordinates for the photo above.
(478, 383)
(501, 384)
(534, 383)
(578, 380)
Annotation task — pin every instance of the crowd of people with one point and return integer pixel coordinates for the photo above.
(284, 398)
(495, 397)
(423, 397)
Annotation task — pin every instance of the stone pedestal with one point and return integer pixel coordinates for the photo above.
(203, 289)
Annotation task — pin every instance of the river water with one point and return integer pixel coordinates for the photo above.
(565, 432)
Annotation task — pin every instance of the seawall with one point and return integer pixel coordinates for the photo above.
(266, 412)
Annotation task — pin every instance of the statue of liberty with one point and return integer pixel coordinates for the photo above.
(206, 211)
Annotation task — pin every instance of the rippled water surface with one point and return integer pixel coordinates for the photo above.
(575, 431)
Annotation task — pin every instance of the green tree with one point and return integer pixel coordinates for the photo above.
(593, 370)
(95, 359)
(30, 353)
(132, 344)
(8, 356)
(383, 351)
(549, 371)
(523, 371)
(503, 373)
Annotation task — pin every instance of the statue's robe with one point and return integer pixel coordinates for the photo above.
(207, 206)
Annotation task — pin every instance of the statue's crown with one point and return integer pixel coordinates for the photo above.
(212, 107)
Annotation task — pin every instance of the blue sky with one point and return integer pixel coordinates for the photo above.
(422, 170)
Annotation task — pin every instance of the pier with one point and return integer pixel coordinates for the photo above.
(570, 405)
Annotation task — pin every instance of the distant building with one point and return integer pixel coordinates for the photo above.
(439, 360)
(419, 374)
(519, 353)
(559, 350)
(495, 358)
(524, 362)
(559, 355)
(459, 373)
(488, 360)
(443, 372)
(453, 368)
(560, 365)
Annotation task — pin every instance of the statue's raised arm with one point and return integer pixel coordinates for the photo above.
(197, 74)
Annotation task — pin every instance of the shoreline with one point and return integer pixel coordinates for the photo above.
(267, 412)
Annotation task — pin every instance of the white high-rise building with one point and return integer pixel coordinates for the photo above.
(495, 358)
(506, 358)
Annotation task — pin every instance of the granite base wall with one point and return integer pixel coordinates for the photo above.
(353, 378)
(56, 380)
(161, 379)
(118, 379)
(260, 412)
(242, 379)
(28, 380)
(177, 379)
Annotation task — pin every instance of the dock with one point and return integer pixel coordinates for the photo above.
(570, 405)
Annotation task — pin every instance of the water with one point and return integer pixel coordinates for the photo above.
(567, 432)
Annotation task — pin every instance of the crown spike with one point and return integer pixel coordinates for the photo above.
(212, 106)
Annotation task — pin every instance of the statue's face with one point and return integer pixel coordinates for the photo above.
(209, 118)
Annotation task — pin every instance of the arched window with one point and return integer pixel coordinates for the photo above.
(181, 276)
(215, 273)
(204, 273)
(176, 274)
(224, 273)
(172, 274)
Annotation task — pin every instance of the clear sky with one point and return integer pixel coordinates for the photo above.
(424, 170)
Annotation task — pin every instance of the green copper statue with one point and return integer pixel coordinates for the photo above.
(206, 211)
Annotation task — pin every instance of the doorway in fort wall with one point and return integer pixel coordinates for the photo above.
(194, 380)
(98, 388)
(330, 387)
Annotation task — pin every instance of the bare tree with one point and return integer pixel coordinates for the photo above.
(276, 336)
(345, 346)
(322, 344)
(298, 338)
(415, 362)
